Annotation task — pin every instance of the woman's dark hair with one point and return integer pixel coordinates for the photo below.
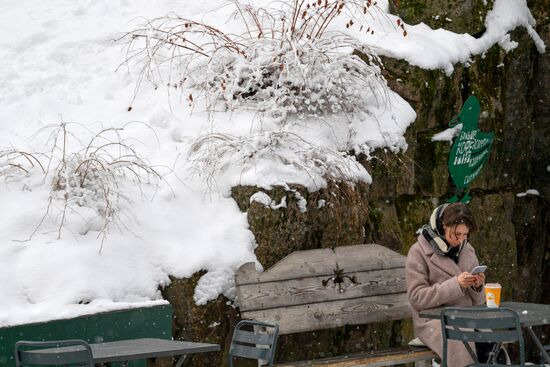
(458, 213)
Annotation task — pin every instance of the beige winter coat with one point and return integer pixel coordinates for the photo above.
(432, 282)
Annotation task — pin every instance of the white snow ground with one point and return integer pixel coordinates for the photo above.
(57, 64)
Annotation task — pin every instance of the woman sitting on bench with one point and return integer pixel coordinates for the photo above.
(437, 268)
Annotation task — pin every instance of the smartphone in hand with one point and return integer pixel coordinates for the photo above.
(479, 269)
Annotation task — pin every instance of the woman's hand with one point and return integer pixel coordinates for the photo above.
(479, 280)
(466, 279)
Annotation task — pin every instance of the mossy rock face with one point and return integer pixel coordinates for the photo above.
(431, 164)
(541, 103)
(484, 79)
(502, 82)
(435, 96)
(344, 340)
(507, 107)
(210, 323)
(370, 337)
(330, 217)
(458, 16)
(413, 212)
(540, 164)
(384, 225)
(310, 345)
(495, 240)
(392, 174)
(531, 222)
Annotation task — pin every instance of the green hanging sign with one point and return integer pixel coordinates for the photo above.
(470, 150)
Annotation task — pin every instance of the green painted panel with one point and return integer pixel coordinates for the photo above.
(470, 150)
(146, 322)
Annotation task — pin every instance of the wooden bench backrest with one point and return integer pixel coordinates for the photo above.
(291, 293)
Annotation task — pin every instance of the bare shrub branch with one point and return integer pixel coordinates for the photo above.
(287, 63)
(214, 153)
(89, 176)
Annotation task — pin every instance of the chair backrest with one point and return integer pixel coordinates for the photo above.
(73, 352)
(254, 340)
(483, 325)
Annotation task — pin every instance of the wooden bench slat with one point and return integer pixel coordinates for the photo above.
(322, 262)
(316, 316)
(390, 357)
(292, 294)
(310, 290)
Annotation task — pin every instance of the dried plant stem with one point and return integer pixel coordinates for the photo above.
(88, 177)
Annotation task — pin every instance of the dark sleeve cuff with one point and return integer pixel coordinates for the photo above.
(477, 289)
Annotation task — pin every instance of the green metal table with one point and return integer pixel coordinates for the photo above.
(132, 349)
(530, 314)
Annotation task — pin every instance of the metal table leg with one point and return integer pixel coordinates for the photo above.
(493, 354)
(184, 360)
(538, 343)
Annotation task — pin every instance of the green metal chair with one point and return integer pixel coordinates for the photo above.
(73, 352)
(483, 325)
(254, 340)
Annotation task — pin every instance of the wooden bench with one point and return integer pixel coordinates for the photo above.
(328, 288)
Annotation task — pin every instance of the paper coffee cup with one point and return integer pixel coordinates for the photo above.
(492, 294)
